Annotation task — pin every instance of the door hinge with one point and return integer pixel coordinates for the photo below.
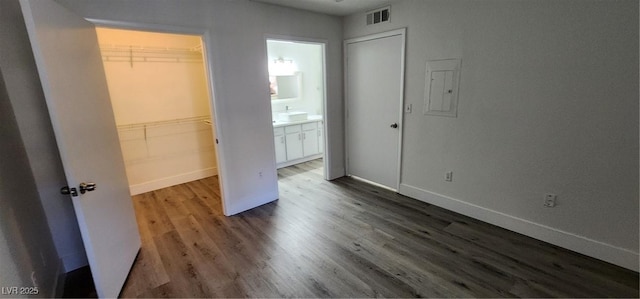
(216, 140)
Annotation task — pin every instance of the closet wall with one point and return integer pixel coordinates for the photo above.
(159, 94)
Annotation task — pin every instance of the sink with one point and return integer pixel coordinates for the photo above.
(293, 116)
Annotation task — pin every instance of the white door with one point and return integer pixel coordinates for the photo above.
(374, 85)
(68, 60)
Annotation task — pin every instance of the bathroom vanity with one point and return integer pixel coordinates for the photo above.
(298, 141)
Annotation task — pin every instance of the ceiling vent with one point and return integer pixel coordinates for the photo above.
(380, 15)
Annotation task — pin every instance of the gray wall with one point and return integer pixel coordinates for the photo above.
(548, 104)
(25, 94)
(26, 246)
(237, 32)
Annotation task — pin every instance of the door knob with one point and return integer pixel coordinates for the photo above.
(84, 187)
(69, 191)
(394, 125)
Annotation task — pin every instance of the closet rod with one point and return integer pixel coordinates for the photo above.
(203, 119)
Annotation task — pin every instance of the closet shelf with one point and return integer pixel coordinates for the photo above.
(206, 120)
(131, 54)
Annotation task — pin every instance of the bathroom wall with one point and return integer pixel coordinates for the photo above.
(309, 62)
(159, 92)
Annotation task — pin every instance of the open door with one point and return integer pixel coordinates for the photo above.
(70, 68)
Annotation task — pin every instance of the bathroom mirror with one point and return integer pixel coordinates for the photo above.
(285, 87)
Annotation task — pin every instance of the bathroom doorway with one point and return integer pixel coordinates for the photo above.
(298, 98)
(159, 92)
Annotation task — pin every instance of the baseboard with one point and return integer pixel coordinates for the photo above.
(596, 249)
(172, 180)
(336, 173)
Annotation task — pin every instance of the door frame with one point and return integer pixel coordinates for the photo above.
(327, 155)
(207, 44)
(402, 32)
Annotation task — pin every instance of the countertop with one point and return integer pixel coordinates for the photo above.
(310, 118)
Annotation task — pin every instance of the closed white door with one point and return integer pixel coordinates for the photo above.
(70, 68)
(374, 85)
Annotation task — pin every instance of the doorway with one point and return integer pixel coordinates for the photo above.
(297, 96)
(159, 92)
(374, 84)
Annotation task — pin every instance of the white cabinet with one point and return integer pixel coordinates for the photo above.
(281, 149)
(293, 140)
(320, 138)
(298, 143)
(310, 139)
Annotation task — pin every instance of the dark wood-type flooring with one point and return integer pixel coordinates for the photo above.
(345, 238)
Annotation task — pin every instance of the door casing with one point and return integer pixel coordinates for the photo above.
(326, 134)
(208, 63)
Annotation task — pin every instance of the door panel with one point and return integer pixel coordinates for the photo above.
(374, 75)
(281, 150)
(68, 60)
(310, 142)
(294, 146)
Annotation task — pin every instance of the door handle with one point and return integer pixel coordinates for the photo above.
(394, 125)
(69, 191)
(84, 187)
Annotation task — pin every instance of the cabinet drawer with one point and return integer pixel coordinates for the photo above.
(309, 126)
(278, 131)
(292, 129)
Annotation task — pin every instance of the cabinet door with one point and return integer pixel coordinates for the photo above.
(320, 138)
(310, 142)
(281, 149)
(294, 146)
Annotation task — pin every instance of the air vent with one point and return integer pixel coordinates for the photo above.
(379, 15)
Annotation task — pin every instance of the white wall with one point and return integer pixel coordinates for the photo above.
(26, 245)
(308, 59)
(237, 30)
(548, 103)
(25, 93)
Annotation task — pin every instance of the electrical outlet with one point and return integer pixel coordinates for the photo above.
(550, 200)
(408, 108)
(448, 176)
(260, 173)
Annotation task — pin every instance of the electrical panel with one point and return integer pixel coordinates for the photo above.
(441, 87)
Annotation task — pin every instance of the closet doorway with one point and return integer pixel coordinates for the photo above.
(161, 101)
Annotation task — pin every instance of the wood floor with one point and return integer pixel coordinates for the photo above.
(345, 238)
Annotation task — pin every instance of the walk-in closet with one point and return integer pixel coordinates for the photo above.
(159, 92)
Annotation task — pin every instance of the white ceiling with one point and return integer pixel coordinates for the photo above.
(331, 7)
